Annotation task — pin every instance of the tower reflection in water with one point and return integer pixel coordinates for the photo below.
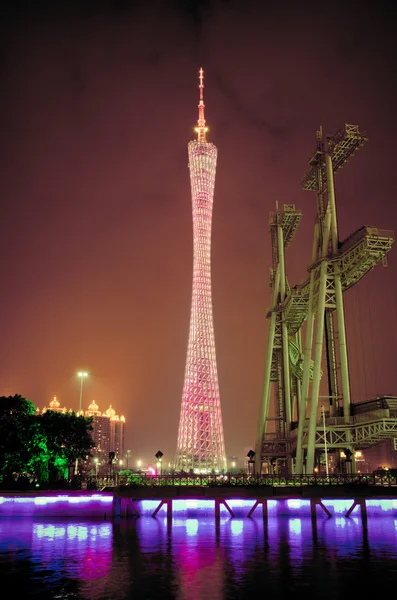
(196, 558)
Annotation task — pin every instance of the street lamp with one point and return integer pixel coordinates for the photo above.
(128, 457)
(96, 461)
(139, 464)
(82, 375)
(251, 461)
(159, 455)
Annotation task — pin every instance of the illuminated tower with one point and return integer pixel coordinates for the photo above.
(201, 446)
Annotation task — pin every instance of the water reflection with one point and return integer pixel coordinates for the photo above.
(196, 558)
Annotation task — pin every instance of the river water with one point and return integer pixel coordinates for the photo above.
(194, 559)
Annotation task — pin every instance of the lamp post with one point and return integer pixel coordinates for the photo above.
(96, 461)
(82, 375)
(128, 457)
(251, 461)
(159, 455)
(112, 456)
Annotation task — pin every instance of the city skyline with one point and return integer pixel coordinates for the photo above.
(96, 233)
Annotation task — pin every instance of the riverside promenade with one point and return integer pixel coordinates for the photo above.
(229, 495)
(268, 494)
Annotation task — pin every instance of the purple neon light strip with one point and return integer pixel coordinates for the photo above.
(295, 506)
(44, 500)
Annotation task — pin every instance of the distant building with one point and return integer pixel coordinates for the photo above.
(108, 432)
(54, 405)
(382, 455)
(108, 429)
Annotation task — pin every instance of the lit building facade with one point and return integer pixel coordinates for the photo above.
(108, 432)
(200, 445)
(54, 405)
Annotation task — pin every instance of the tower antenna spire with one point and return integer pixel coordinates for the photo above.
(201, 128)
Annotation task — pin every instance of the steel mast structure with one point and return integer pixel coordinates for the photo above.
(201, 445)
(315, 308)
(283, 364)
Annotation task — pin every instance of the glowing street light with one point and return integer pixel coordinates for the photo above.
(139, 464)
(82, 375)
(128, 457)
(96, 461)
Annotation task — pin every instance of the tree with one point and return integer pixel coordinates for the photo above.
(40, 445)
(68, 437)
(19, 436)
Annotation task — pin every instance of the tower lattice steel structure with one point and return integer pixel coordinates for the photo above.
(201, 445)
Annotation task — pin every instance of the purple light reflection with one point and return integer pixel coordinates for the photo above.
(85, 549)
(382, 533)
(79, 549)
(197, 558)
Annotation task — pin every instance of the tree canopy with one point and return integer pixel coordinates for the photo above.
(40, 445)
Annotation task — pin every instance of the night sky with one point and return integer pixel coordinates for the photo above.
(97, 106)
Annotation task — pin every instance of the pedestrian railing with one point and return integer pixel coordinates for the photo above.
(235, 480)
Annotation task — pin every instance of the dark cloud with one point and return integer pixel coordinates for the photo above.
(249, 115)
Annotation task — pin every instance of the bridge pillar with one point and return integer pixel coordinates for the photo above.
(169, 509)
(116, 506)
(363, 506)
(264, 508)
(225, 504)
(161, 504)
(217, 509)
(129, 508)
(314, 502)
(313, 505)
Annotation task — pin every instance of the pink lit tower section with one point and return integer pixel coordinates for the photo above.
(201, 445)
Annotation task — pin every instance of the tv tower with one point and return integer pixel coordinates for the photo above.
(201, 445)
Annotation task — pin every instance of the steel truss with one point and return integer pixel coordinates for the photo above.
(296, 367)
(360, 436)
